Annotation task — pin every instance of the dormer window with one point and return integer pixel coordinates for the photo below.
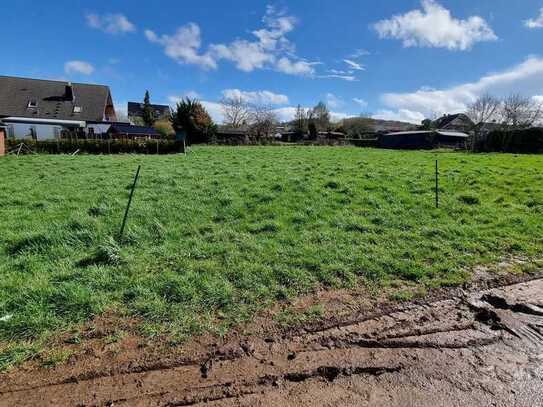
(77, 109)
(32, 104)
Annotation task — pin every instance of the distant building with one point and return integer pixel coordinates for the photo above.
(135, 112)
(127, 131)
(44, 109)
(454, 122)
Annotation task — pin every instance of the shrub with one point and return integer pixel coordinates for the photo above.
(69, 146)
(512, 141)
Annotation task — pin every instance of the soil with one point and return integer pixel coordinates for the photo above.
(480, 345)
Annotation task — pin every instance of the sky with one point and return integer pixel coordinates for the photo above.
(400, 60)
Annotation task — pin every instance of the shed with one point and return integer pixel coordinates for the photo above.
(124, 130)
(423, 139)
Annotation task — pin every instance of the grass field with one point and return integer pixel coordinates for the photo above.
(214, 236)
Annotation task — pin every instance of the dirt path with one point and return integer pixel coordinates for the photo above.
(480, 348)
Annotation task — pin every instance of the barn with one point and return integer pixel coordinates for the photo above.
(419, 139)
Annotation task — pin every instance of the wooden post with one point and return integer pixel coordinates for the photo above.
(129, 202)
(2, 142)
(437, 186)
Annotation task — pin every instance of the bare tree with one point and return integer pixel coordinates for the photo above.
(321, 116)
(236, 111)
(520, 111)
(301, 120)
(263, 120)
(484, 110)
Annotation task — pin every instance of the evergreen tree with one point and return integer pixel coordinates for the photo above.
(191, 117)
(148, 113)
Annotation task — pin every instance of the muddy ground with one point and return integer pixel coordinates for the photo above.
(477, 346)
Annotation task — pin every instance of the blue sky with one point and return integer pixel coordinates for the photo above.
(405, 59)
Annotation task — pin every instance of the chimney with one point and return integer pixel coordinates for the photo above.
(69, 92)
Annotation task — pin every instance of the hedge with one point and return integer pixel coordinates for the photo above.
(69, 146)
(512, 141)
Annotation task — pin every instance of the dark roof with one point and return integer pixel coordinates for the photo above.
(52, 99)
(123, 128)
(135, 109)
(444, 121)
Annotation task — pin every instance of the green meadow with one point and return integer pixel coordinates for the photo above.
(215, 236)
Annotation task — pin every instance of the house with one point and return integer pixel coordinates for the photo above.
(45, 109)
(421, 139)
(135, 112)
(128, 131)
(454, 122)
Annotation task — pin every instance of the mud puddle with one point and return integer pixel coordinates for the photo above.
(477, 348)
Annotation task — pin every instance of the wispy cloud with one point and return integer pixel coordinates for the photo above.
(78, 67)
(360, 102)
(110, 23)
(348, 78)
(536, 22)
(333, 101)
(434, 26)
(354, 65)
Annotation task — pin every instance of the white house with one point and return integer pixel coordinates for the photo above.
(43, 109)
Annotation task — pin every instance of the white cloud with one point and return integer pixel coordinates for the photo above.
(525, 78)
(268, 49)
(110, 23)
(354, 65)
(402, 115)
(538, 99)
(183, 46)
(191, 94)
(287, 66)
(535, 22)
(247, 55)
(433, 26)
(360, 102)
(78, 67)
(261, 97)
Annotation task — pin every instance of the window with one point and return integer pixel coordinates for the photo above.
(32, 104)
(57, 131)
(11, 131)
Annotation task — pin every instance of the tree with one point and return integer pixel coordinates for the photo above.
(148, 113)
(236, 112)
(427, 124)
(357, 127)
(313, 132)
(321, 117)
(263, 121)
(300, 120)
(484, 110)
(191, 117)
(165, 128)
(520, 112)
